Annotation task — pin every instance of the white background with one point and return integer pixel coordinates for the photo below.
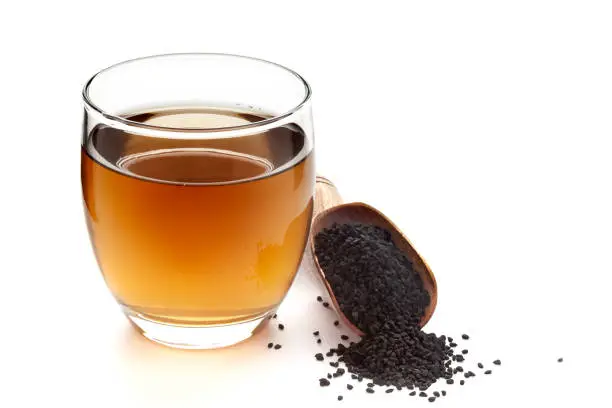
(482, 128)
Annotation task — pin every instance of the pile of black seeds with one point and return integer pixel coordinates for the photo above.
(379, 291)
(372, 279)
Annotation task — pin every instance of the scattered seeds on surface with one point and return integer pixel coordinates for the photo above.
(488, 372)
(465, 337)
(277, 346)
(450, 381)
(431, 399)
(340, 397)
(370, 385)
(334, 364)
(349, 387)
(323, 382)
(443, 393)
(329, 376)
(389, 390)
(370, 390)
(436, 394)
(422, 394)
(453, 344)
(461, 382)
(480, 365)
(413, 393)
(497, 362)
(464, 351)
(319, 357)
(270, 345)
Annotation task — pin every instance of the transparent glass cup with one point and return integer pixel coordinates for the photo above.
(198, 177)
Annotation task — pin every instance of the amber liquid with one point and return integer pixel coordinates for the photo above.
(198, 232)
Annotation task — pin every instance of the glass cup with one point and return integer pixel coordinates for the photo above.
(198, 176)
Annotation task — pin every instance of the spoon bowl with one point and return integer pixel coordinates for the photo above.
(353, 213)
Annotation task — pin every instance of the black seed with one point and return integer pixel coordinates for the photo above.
(422, 394)
(413, 393)
(270, 345)
(318, 341)
(370, 384)
(349, 387)
(450, 339)
(453, 344)
(336, 323)
(334, 364)
(436, 393)
(316, 333)
(329, 376)
(450, 381)
(340, 397)
(488, 372)
(497, 362)
(329, 354)
(277, 346)
(464, 351)
(323, 382)
(560, 360)
(319, 357)
(459, 369)
(325, 304)
(389, 390)
(461, 382)
(370, 390)
(443, 393)
(431, 399)
(319, 299)
(480, 365)
(344, 337)
(281, 327)
(465, 337)
(459, 358)
(354, 376)
(274, 317)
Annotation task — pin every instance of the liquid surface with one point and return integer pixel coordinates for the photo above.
(198, 232)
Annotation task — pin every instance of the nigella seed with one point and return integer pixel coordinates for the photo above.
(488, 372)
(323, 382)
(461, 382)
(329, 354)
(334, 364)
(422, 394)
(270, 345)
(443, 393)
(450, 381)
(318, 341)
(497, 362)
(465, 337)
(316, 333)
(459, 369)
(319, 299)
(274, 317)
(464, 351)
(354, 376)
(436, 393)
(277, 346)
(431, 399)
(453, 344)
(413, 393)
(349, 387)
(370, 390)
(344, 337)
(340, 397)
(281, 327)
(370, 385)
(480, 365)
(329, 376)
(459, 358)
(336, 323)
(560, 360)
(325, 304)
(389, 391)
(319, 357)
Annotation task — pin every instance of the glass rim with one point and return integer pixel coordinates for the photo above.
(127, 123)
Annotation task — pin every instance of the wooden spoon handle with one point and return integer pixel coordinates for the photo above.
(326, 195)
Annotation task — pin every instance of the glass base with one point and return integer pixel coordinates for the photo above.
(193, 336)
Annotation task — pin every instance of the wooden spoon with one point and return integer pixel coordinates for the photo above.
(328, 209)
